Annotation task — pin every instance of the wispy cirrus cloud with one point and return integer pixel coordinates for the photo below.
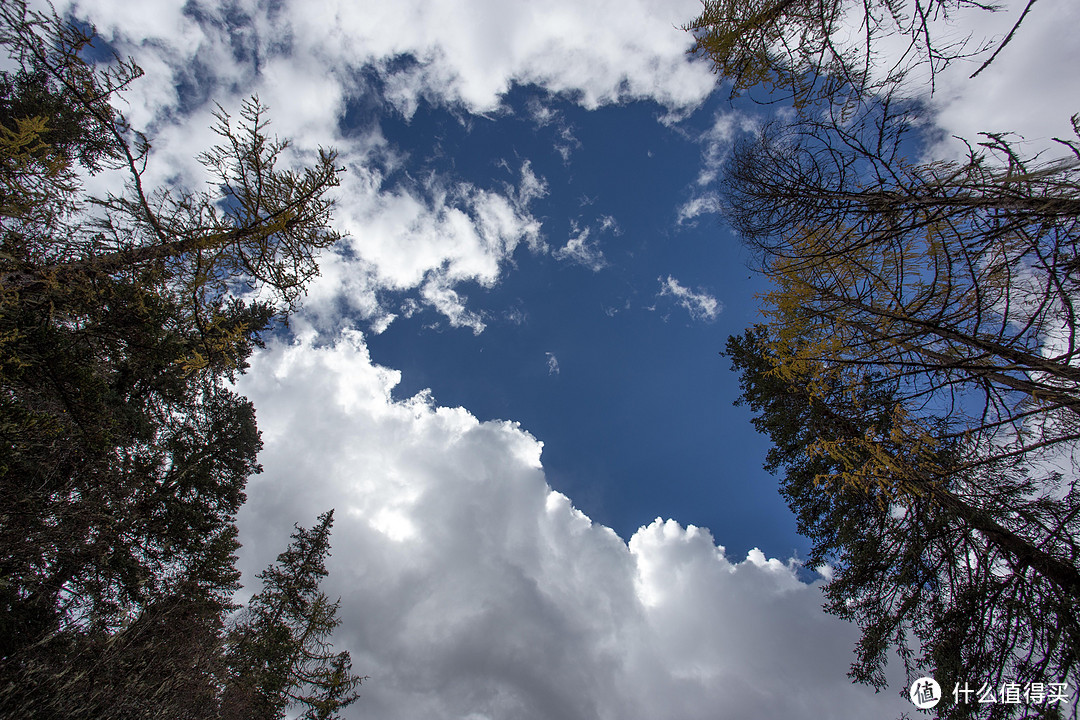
(552, 363)
(581, 251)
(705, 204)
(700, 304)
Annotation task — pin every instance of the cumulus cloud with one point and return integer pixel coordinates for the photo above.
(404, 233)
(701, 305)
(308, 61)
(470, 589)
(459, 52)
(470, 51)
(428, 238)
(1030, 89)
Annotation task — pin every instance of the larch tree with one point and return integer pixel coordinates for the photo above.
(961, 574)
(834, 50)
(918, 369)
(957, 280)
(922, 327)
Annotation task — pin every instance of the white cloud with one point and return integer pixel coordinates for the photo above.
(379, 323)
(701, 305)
(404, 234)
(717, 143)
(427, 239)
(438, 293)
(306, 60)
(567, 144)
(470, 51)
(540, 113)
(609, 223)
(1031, 88)
(531, 188)
(719, 139)
(579, 250)
(706, 204)
(613, 310)
(552, 363)
(306, 101)
(466, 52)
(515, 316)
(543, 115)
(470, 589)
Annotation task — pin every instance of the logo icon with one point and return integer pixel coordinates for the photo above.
(925, 693)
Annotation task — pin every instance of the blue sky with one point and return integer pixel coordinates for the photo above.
(506, 380)
(591, 354)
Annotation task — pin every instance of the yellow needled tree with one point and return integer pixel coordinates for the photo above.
(919, 373)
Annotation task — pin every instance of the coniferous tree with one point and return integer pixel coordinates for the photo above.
(949, 571)
(918, 369)
(279, 656)
(830, 50)
(123, 454)
(926, 310)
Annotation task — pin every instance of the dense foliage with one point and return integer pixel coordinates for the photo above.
(123, 453)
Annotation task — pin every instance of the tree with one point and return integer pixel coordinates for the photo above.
(811, 50)
(957, 279)
(918, 375)
(918, 368)
(946, 588)
(260, 228)
(123, 454)
(278, 654)
(165, 663)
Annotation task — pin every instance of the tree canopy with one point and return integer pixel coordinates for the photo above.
(832, 50)
(123, 452)
(278, 652)
(918, 373)
(918, 369)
